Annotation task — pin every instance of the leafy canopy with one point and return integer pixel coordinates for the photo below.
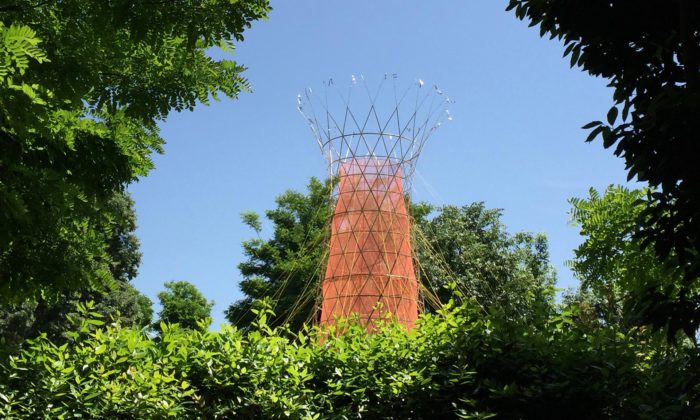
(470, 247)
(83, 85)
(182, 303)
(650, 52)
(121, 302)
(286, 268)
(617, 270)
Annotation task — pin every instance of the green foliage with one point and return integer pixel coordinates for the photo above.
(466, 246)
(122, 243)
(457, 363)
(123, 304)
(609, 260)
(286, 268)
(83, 85)
(252, 220)
(616, 269)
(19, 45)
(182, 303)
(120, 301)
(650, 52)
(470, 246)
(126, 305)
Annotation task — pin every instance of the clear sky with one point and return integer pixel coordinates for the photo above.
(515, 141)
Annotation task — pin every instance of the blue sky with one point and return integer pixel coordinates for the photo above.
(515, 141)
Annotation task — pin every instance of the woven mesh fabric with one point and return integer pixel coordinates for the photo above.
(370, 268)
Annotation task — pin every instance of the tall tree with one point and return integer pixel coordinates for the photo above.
(120, 302)
(182, 303)
(614, 268)
(286, 268)
(83, 85)
(470, 246)
(650, 52)
(467, 246)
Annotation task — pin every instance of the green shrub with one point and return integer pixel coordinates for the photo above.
(456, 363)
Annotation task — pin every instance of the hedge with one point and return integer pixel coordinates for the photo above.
(457, 363)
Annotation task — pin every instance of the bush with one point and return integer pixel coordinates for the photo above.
(456, 363)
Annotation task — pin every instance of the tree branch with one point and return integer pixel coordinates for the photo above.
(687, 34)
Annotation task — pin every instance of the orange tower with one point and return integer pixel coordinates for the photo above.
(370, 271)
(370, 266)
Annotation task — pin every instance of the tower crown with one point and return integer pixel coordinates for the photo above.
(389, 121)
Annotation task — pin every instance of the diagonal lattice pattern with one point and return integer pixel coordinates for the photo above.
(371, 138)
(370, 266)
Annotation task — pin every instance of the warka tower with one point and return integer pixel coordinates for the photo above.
(371, 137)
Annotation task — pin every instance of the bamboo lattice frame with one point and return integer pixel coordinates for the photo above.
(373, 155)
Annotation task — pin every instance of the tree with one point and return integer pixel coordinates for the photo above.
(467, 246)
(120, 302)
(612, 265)
(182, 303)
(83, 85)
(122, 243)
(470, 246)
(123, 304)
(286, 268)
(127, 305)
(650, 52)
